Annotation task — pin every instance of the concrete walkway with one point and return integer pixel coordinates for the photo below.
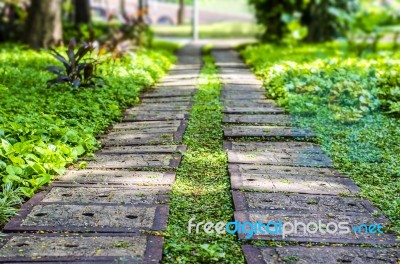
(115, 209)
(278, 173)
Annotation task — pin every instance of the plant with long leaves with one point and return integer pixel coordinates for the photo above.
(79, 70)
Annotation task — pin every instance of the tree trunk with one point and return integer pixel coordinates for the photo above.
(181, 12)
(44, 24)
(82, 12)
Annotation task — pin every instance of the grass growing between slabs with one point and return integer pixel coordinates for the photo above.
(43, 129)
(202, 187)
(352, 104)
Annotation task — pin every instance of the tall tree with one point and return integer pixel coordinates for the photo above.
(44, 25)
(181, 12)
(82, 12)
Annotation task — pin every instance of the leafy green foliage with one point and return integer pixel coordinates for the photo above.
(78, 70)
(202, 187)
(43, 130)
(349, 102)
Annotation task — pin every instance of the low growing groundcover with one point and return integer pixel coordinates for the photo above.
(43, 129)
(353, 105)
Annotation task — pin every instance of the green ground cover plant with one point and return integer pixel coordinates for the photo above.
(202, 187)
(43, 129)
(351, 102)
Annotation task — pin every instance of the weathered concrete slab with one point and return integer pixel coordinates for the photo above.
(142, 149)
(282, 120)
(253, 110)
(295, 184)
(278, 147)
(243, 96)
(146, 125)
(181, 75)
(285, 170)
(171, 92)
(112, 177)
(241, 81)
(94, 248)
(244, 102)
(275, 158)
(154, 130)
(155, 115)
(226, 88)
(132, 161)
(159, 100)
(163, 107)
(256, 201)
(318, 235)
(178, 83)
(89, 217)
(107, 195)
(268, 131)
(131, 139)
(320, 255)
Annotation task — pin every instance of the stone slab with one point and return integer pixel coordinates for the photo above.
(154, 115)
(181, 75)
(178, 83)
(241, 81)
(132, 139)
(132, 161)
(36, 216)
(256, 201)
(159, 100)
(168, 93)
(243, 102)
(242, 88)
(278, 119)
(142, 149)
(254, 110)
(163, 107)
(294, 184)
(275, 158)
(284, 170)
(106, 195)
(351, 220)
(81, 248)
(116, 177)
(268, 131)
(320, 255)
(146, 125)
(278, 147)
(243, 95)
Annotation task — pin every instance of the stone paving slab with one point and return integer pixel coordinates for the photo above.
(294, 184)
(244, 102)
(116, 177)
(159, 100)
(154, 115)
(112, 218)
(173, 133)
(107, 195)
(134, 161)
(276, 158)
(81, 248)
(320, 255)
(285, 170)
(352, 220)
(132, 139)
(178, 83)
(268, 131)
(239, 95)
(163, 107)
(256, 201)
(278, 147)
(142, 149)
(240, 81)
(278, 119)
(254, 110)
(146, 125)
(168, 93)
(226, 88)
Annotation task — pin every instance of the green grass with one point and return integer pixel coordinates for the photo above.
(222, 30)
(43, 129)
(202, 187)
(352, 103)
